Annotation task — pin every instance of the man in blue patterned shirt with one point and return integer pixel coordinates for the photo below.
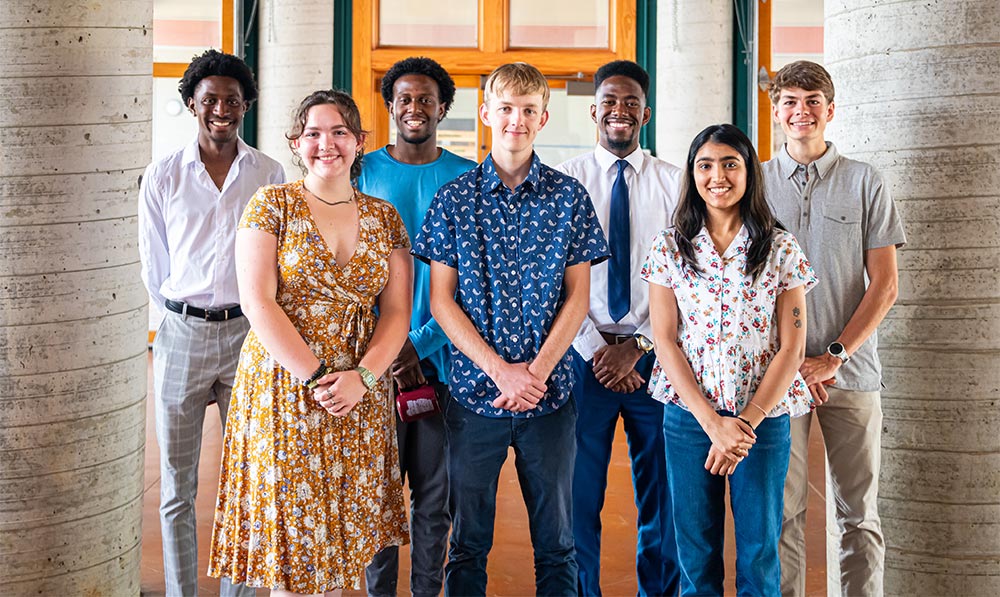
(510, 245)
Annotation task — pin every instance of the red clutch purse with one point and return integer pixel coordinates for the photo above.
(418, 403)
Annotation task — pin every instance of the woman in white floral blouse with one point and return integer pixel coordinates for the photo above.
(727, 305)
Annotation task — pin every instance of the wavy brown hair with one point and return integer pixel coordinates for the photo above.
(348, 111)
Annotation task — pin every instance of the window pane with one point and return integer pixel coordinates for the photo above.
(796, 34)
(559, 24)
(184, 28)
(457, 132)
(570, 131)
(447, 24)
(173, 125)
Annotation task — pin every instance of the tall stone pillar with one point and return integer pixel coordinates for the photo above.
(75, 87)
(295, 58)
(918, 95)
(694, 72)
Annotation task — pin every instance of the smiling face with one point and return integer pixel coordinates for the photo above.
(515, 120)
(720, 175)
(620, 112)
(802, 114)
(327, 146)
(416, 108)
(219, 106)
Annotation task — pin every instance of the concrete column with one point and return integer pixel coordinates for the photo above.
(75, 87)
(694, 78)
(296, 58)
(918, 95)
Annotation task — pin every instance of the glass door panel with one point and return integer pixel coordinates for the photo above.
(445, 25)
(559, 24)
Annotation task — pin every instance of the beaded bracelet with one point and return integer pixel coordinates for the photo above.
(320, 371)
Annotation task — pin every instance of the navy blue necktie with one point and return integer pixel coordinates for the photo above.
(619, 233)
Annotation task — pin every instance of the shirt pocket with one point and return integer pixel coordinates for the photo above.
(843, 214)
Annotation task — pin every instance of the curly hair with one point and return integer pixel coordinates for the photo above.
(755, 213)
(214, 63)
(624, 68)
(420, 65)
(348, 111)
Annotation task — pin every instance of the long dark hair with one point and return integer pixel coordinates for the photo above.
(691, 212)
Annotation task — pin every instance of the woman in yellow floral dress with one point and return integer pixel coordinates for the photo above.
(310, 487)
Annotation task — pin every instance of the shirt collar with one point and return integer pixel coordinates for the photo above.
(492, 180)
(740, 240)
(192, 154)
(823, 163)
(607, 160)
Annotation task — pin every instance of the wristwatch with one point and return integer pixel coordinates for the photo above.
(837, 349)
(367, 377)
(644, 343)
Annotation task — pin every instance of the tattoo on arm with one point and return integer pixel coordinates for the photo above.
(796, 312)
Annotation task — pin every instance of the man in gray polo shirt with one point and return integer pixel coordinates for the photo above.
(843, 217)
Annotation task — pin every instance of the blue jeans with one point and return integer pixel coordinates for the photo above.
(656, 550)
(755, 491)
(544, 451)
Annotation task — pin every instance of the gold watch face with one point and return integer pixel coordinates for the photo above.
(644, 343)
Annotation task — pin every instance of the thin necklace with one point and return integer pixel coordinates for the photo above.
(322, 200)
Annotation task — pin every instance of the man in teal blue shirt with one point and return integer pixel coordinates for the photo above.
(418, 93)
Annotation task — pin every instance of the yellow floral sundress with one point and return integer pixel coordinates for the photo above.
(306, 499)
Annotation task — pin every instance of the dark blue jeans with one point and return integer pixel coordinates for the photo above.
(600, 408)
(544, 451)
(698, 496)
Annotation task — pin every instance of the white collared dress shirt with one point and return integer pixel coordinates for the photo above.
(654, 190)
(187, 225)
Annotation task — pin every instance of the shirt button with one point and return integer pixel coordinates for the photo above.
(805, 198)
(805, 215)
(513, 337)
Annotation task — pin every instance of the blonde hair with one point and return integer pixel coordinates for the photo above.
(516, 78)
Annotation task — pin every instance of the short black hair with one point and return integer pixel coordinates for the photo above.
(214, 63)
(420, 65)
(625, 68)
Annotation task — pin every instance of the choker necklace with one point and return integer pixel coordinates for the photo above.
(331, 203)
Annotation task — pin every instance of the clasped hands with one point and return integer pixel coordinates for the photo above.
(731, 443)
(819, 372)
(521, 386)
(339, 392)
(614, 367)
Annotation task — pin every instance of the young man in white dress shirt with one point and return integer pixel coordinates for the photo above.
(634, 196)
(189, 205)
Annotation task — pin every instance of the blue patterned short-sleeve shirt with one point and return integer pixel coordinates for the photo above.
(511, 250)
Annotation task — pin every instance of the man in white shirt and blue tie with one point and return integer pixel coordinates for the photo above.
(189, 205)
(634, 196)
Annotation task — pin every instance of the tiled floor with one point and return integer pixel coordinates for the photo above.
(510, 567)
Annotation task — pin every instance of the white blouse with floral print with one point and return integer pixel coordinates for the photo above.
(726, 321)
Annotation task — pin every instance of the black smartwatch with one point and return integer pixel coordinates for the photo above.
(837, 349)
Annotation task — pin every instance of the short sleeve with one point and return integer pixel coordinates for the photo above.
(398, 237)
(265, 211)
(884, 226)
(661, 261)
(436, 238)
(793, 267)
(589, 242)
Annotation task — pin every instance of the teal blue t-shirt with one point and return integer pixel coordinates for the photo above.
(411, 188)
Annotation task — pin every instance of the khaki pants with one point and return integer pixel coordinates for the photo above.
(851, 424)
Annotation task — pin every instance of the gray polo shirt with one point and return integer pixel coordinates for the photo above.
(837, 208)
